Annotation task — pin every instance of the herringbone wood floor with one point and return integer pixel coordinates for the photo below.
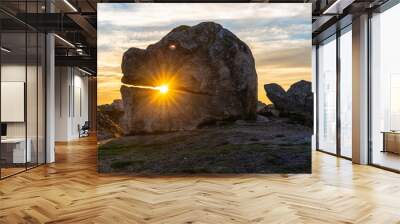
(71, 191)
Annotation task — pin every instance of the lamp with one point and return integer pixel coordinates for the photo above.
(70, 5)
(5, 50)
(64, 40)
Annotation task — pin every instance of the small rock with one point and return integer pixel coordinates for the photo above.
(262, 118)
(241, 122)
(268, 111)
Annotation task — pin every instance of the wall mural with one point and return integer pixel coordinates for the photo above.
(204, 88)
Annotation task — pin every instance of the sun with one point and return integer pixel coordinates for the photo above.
(163, 89)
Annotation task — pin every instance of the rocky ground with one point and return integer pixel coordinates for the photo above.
(274, 145)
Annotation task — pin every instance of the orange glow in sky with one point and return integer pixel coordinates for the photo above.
(279, 36)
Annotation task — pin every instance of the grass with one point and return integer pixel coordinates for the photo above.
(121, 164)
(225, 158)
(224, 149)
(125, 164)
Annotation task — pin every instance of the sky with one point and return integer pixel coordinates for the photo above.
(279, 36)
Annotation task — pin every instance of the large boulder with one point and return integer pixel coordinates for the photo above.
(210, 73)
(296, 103)
(300, 93)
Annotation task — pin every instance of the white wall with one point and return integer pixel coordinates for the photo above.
(80, 110)
(61, 103)
(71, 102)
(12, 73)
(13, 101)
(33, 126)
(16, 73)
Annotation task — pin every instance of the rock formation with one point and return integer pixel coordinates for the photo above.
(296, 103)
(210, 73)
(267, 110)
(109, 120)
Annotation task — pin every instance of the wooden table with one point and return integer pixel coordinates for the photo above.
(391, 141)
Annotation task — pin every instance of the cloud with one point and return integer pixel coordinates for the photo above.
(279, 36)
(161, 14)
(299, 56)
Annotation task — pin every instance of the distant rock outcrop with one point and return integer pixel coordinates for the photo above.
(109, 120)
(267, 110)
(296, 103)
(211, 76)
